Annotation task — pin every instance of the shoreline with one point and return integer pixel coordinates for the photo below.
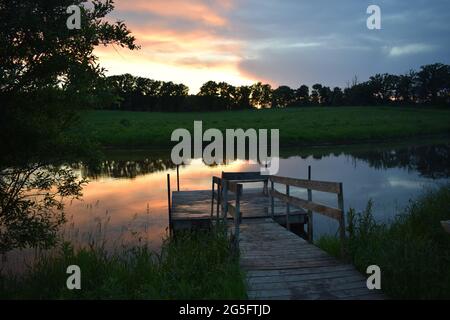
(420, 139)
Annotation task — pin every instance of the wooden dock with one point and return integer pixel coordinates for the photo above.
(279, 264)
(191, 209)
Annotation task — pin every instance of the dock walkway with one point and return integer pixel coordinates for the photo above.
(279, 264)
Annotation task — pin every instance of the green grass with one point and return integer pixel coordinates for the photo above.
(413, 251)
(197, 265)
(298, 126)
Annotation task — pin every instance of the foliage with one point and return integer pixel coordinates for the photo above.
(198, 265)
(31, 204)
(47, 73)
(431, 85)
(413, 251)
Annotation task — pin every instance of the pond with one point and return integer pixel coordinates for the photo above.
(126, 197)
(130, 188)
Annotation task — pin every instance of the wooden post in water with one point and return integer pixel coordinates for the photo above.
(288, 226)
(212, 197)
(342, 219)
(225, 199)
(168, 202)
(310, 213)
(178, 177)
(237, 217)
(219, 197)
(272, 204)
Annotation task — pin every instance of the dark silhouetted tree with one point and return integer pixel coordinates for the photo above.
(47, 73)
(261, 95)
(302, 95)
(315, 94)
(282, 97)
(434, 83)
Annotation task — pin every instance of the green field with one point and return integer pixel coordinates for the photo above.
(299, 126)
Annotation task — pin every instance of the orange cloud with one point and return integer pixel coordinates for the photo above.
(180, 9)
(190, 53)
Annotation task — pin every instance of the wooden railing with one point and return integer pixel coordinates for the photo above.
(233, 210)
(233, 183)
(309, 205)
(241, 177)
(216, 195)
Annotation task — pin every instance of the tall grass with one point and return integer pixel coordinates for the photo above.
(192, 265)
(413, 251)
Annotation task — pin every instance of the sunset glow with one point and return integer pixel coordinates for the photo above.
(280, 43)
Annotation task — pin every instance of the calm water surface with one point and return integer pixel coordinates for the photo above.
(131, 189)
(126, 198)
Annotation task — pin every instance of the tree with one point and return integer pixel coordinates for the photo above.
(404, 89)
(434, 83)
(261, 96)
(382, 87)
(337, 97)
(47, 72)
(243, 97)
(302, 95)
(282, 97)
(227, 95)
(315, 94)
(210, 97)
(325, 96)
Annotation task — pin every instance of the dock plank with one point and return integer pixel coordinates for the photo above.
(281, 265)
(278, 263)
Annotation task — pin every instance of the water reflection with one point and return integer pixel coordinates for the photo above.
(133, 184)
(129, 188)
(429, 161)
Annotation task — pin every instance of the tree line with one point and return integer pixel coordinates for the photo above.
(430, 85)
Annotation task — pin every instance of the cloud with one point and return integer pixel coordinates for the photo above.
(279, 42)
(208, 12)
(410, 49)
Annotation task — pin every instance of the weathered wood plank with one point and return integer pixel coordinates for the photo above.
(324, 186)
(252, 274)
(316, 207)
(280, 265)
(348, 274)
(256, 175)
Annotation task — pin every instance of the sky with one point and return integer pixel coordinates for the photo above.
(280, 42)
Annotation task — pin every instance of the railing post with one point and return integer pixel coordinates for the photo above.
(212, 197)
(272, 204)
(168, 202)
(288, 226)
(219, 197)
(237, 217)
(342, 219)
(178, 177)
(225, 198)
(310, 213)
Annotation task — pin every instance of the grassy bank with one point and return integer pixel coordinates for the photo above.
(413, 251)
(192, 266)
(298, 126)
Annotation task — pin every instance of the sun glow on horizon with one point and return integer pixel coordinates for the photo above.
(119, 61)
(183, 42)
